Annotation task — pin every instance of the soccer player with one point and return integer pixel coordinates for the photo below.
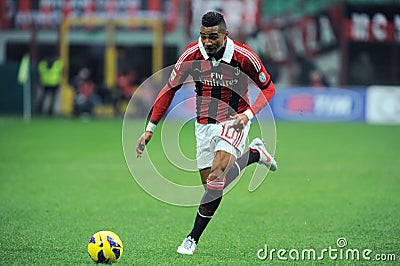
(223, 113)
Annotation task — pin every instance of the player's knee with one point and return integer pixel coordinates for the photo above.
(214, 174)
(218, 171)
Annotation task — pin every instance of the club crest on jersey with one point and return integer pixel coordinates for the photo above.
(237, 71)
(173, 75)
(215, 63)
(262, 77)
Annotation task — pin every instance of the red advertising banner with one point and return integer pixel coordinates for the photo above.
(306, 36)
(373, 23)
(45, 14)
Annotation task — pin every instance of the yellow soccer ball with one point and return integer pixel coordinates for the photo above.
(105, 247)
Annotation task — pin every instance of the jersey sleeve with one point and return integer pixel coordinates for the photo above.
(162, 104)
(255, 69)
(175, 81)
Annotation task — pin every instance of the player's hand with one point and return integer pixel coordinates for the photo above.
(142, 142)
(240, 122)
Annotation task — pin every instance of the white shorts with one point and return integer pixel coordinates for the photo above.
(211, 138)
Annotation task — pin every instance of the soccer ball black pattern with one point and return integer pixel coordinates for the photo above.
(105, 247)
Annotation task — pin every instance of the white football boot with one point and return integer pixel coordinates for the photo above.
(265, 158)
(187, 247)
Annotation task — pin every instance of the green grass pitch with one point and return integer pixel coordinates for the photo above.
(63, 180)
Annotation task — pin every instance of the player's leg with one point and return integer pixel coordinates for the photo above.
(210, 201)
(257, 152)
(248, 158)
(223, 145)
(189, 244)
(213, 194)
(217, 148)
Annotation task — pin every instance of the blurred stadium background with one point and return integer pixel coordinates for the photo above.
(351, 44)
(336, 65)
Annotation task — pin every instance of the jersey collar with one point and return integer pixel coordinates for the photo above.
(228, 54)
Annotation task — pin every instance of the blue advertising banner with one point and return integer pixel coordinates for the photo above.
(292, 104)
(330, 105)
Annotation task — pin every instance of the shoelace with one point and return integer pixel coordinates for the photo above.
(188, 243)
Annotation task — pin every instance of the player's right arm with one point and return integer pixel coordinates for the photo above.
(164, 99)
(160, 107)
(142, 141)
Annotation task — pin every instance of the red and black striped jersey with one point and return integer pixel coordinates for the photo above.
(221, 85)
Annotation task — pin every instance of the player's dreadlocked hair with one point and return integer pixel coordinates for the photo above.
(213, 18)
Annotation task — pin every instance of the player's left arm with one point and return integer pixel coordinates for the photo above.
(267, 87)
(258, 73)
